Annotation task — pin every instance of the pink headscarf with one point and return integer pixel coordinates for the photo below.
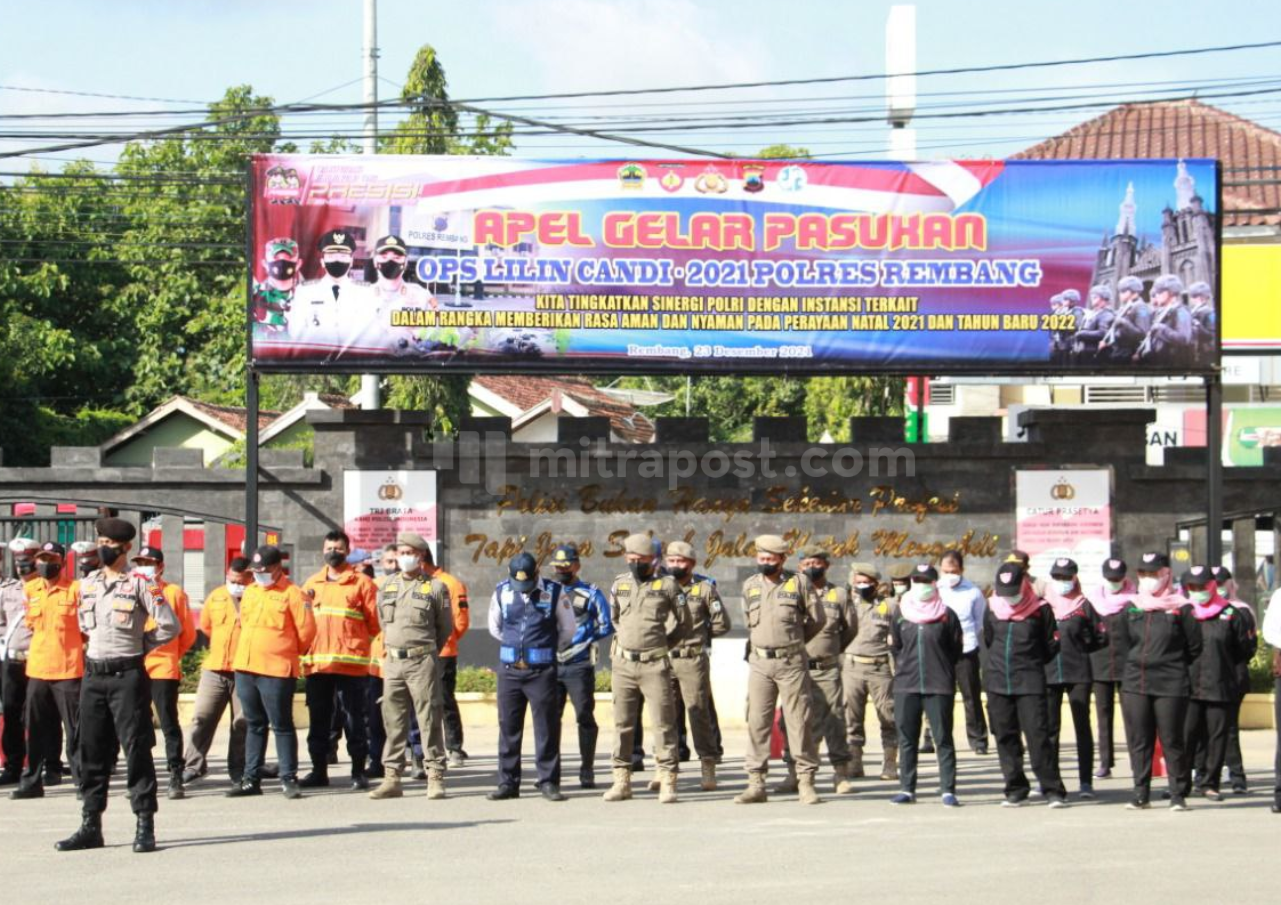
(1028, 604)
(1164, 602)
(920, 611)
(1212, 608)
(1107, 602)
(1064, 605)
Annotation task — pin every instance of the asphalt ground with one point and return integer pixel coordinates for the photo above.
(337, 845)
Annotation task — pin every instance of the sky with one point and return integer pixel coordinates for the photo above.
(193, 50)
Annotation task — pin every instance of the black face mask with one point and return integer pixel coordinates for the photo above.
(641, 569)
(562, 576)
(48, 570)
(680, 573)
(25, 566)
(108, 555)
(334, 559)
(87, 567)
(767, 568)
(868, 593)
(337, 269)
(813, 573)
(282, 270)
(391, 269)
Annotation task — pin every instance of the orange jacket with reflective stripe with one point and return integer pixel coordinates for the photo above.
(276, 628)
(57, 648)
(458, 599)
(377, 650)
(346, 611)
(165, 662)
(220, 622)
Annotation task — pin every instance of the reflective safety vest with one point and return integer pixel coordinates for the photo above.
(529, 633)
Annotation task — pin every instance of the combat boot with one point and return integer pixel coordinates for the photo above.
(755, 791)
(654, 784)
(389, 787)
(667, 781)
(88, 836)
(621, 790)
(809, 794)
(175, 791)
(318, 778)
(144, 840)
(435, 786)
(709, 774)
(889, 768)
(841, 783)
(854, 769)
(789, 785)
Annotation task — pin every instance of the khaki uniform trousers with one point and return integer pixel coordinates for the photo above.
(783, 683)
(694, 677)
(629, 681)
(875, 681)
(413, 684)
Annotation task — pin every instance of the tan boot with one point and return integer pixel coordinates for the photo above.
(889, 769)
(709, 774)
(789, 785)
(841, 783)
(809, 794)
(435, 786)
(755, 791)
(855, 765)
(389, 787)
(667, 782)
(621, 790)
(654, 784)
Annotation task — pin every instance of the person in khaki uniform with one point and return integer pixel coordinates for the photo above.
(783, 613)
(416, 619)
(691, 664)
(650, 618)
(825, 652)
(867, 671)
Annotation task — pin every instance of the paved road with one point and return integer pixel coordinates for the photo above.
(339, 846)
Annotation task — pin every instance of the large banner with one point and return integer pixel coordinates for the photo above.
(489, 263)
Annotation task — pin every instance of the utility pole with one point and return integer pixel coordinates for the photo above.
(370, 394)
(900, 87)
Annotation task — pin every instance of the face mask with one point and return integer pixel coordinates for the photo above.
(108, 555)
(236, 590)
(1149, 585)
(923, 591)
(1201, 597)
(147, 572)
(640, 570)
(390, 270)
(900, 589)
(949, 579)
(337, 269)
(767, 568)
(1115, 586)
(264, 579)
(814, 573)
(87, 567)
(48, 570)
(408, 563)
(1065, 587)
(334, 559)
(1011, 602)
(25, 566)
(390, 570)
(282, 270)
(866, 591)
(680, 573)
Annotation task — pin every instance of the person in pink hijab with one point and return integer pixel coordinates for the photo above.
(1068, 674)
(1107, 664)
(1235, 762)
(1165, 636)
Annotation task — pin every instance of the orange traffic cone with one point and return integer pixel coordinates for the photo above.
(1158, 761)
(776, 738)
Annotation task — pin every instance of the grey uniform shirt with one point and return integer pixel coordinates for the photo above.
(873, 638)
(566, 625)
(15, 636)
(781, 613)
(415, 611)
(114, 610)
(707, 610)
(840, 623)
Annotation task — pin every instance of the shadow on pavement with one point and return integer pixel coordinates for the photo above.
(354, 829)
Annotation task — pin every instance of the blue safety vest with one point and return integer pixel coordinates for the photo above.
(529, 631)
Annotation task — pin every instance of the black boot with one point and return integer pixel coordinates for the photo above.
(28, 790)
(318, 778)
(144, 840)
(175, 791)
(88, 836)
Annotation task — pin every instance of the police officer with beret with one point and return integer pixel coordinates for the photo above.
(576, 671)
(116, 608)
(651, 618)
(530, 619)
(783, 614)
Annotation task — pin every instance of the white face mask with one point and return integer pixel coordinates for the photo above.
(1065, 587)
(147, 572)
(1011, 602)
(949, 579)
(1149, 585)
(236, 590)
(264, 579)
(1115, 586)
(922, 591)
(407, 563)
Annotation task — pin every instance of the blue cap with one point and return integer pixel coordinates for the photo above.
(357, 556)
(566, 554)
(524, 572)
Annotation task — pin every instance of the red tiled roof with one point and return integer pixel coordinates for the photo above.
(336, 401)
(1185, 128)
(235, 417)
(527, 392)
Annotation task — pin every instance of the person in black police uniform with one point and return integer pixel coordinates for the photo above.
(531, 619)
(1019, 639)
(115, 696)
(1068, 674)
(1234, 761)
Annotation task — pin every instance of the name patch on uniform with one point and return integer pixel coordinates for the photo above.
(624, 586)
(753, 592)
(831, 595)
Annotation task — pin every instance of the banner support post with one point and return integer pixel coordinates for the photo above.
(251, 378)
(1214, 468)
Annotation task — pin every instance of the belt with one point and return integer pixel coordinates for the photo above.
(112, 666)
(869, 661)
(778, 653)
(824, 662)
(641, 656)
(522, 666)
(410, 653)
(688, 653)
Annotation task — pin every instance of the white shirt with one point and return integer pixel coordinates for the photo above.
(1272, 621)
(967, 602)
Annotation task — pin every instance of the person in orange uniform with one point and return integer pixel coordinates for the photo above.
(220, 623)
(344, 603)
(164, 664)
(55, 666)
(276, 629)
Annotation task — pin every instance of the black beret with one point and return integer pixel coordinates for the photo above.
(116, 529)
